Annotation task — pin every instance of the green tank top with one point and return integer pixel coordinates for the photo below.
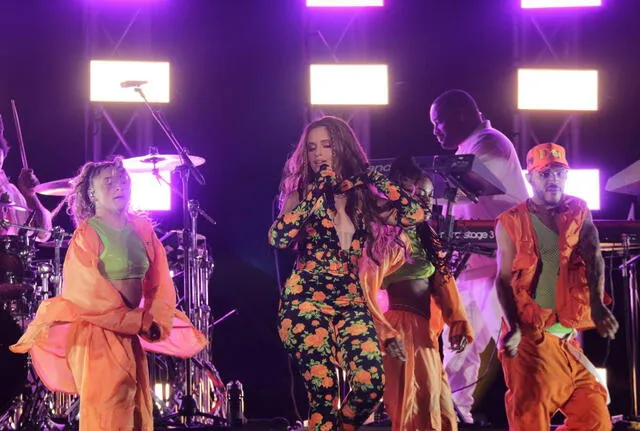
(123, 255)
(545, 293)
(419, 268)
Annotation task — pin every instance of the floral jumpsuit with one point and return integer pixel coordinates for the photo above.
(324, 320)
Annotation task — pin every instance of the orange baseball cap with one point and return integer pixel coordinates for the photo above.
(545, 155)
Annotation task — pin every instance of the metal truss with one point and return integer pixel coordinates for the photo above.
(546, 41)
(114, 35)
(336, 38)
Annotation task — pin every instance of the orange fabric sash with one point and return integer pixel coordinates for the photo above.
(88, 296)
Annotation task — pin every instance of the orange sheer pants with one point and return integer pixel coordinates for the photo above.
(112, 377)
(417, 395)
(545, 377)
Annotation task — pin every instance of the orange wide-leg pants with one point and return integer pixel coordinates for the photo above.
(545, 377)
(417, 395)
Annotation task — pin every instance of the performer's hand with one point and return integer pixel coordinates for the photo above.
(458, 343)
(153, 333)
(606, 323)
(27, 180)
(510, 342)
(395, 348)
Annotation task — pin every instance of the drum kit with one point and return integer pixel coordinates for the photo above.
(27, 278)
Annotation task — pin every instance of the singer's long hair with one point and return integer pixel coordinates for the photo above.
(80, 206)
(349, 159)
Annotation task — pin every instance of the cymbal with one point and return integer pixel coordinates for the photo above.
(55, 188)
(12, 206)
(161, 162)
(179, 234)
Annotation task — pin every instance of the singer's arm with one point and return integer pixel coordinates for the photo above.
(287, 225)
(399, 208)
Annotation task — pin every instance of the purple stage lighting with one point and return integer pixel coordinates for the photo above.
(344, 3)
(547, 4)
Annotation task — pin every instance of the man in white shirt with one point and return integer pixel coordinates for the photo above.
(23, 196)
(459, 125)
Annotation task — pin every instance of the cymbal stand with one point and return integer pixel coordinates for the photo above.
(156, 173)
(58, 234)
(188, 409)
(629, 269)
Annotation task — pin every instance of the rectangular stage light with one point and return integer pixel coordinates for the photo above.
(148, 193)
(546, 4)
(344, 3)
(349, 84)
(107, 79)
(581, 183)
(558, 89)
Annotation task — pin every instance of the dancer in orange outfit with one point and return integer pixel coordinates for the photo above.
(422, 297)
(117, 301)
(550, 284)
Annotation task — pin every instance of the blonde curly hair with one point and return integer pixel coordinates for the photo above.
(79, 204)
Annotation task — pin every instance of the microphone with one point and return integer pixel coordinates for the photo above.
(129, 84)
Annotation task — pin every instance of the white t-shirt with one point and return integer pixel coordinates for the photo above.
(497, 152)
(19, 217)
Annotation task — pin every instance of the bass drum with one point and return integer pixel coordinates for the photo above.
(13, 367)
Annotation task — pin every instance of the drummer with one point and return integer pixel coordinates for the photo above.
(22, 198)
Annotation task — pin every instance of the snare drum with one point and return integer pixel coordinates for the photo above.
(17, 277)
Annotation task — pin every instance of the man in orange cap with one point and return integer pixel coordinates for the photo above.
(550, 284)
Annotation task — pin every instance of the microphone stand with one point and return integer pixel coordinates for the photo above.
(188, 407)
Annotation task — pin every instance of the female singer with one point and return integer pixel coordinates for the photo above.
(329, 200)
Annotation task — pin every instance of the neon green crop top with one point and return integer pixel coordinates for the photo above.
(418, 269)
(123, 255)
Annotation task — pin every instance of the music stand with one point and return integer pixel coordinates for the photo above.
(463, 173)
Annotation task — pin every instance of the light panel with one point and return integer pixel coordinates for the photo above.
(349, 84)
(581, 183)
(107, 77)
(558, 89)
(149, 193)
(546, 4)
(344, 3)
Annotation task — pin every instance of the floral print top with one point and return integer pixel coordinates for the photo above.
(311, 223)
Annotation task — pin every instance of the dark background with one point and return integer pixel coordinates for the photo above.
(239, 97)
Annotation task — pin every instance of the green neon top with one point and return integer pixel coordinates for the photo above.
(418, 268)
(123, 255)
(545, 294)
